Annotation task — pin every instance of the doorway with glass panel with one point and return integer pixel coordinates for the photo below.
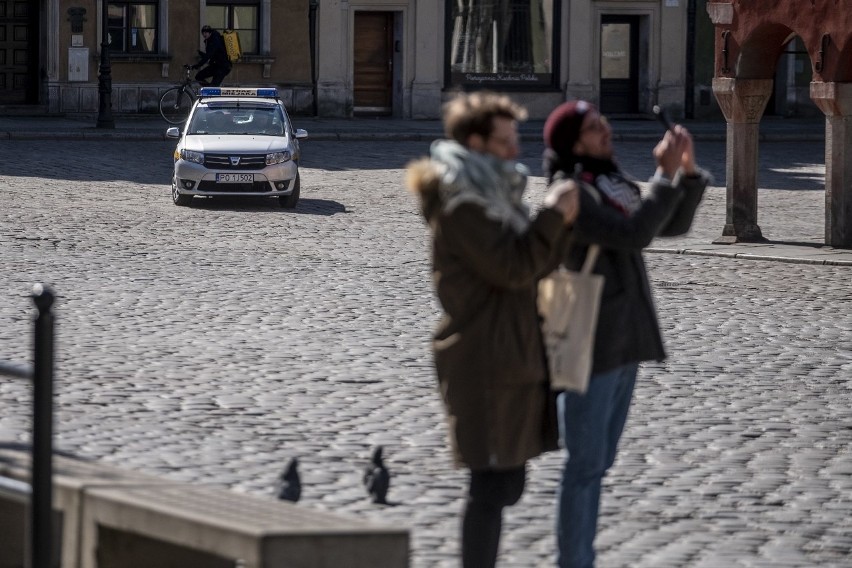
(619, 57)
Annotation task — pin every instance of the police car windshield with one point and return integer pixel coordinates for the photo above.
(222, 118)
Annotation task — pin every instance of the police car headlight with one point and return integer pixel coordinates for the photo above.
(277, 157)
(192, 156)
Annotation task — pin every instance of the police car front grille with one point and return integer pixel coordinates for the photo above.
(256, 187)
(226, 161)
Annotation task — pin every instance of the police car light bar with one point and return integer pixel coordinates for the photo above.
(270, 92)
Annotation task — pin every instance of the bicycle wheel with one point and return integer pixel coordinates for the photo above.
(175, 105)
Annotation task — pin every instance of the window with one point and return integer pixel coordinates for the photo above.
(132, 27)
(240, 16)
(225, 118)
(500, 42)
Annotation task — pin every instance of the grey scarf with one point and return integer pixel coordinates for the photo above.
(494, 184)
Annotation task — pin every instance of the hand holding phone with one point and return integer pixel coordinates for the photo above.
(674, 150)
(661, 115)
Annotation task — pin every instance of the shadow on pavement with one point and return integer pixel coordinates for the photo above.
(136, 161)
(306, 206)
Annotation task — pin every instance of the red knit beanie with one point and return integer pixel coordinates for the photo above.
(562, 128)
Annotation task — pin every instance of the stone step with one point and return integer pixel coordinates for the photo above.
(26, 110)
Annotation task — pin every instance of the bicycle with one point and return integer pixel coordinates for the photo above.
(177, 101)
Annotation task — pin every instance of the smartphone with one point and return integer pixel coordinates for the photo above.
(661, 115)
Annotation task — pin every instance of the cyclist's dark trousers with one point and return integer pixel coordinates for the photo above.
(217, 74)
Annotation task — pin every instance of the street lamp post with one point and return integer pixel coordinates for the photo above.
(689, 100)
(312, 30)
(105, 119)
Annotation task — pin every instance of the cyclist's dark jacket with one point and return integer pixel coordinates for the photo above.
(215, 54)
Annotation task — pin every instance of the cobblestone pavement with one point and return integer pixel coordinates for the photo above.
(210, 344)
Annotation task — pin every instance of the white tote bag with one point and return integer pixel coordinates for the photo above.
(568, 302)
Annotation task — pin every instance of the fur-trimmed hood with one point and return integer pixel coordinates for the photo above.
(454, 175)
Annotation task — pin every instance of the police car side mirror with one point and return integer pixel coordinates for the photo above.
(301, 134)
(173, 132)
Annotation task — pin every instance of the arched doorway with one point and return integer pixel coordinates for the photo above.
(791, 90)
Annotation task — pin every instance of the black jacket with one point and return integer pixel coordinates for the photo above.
(215, 53)
(627, 330)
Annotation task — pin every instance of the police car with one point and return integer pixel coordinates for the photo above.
(237, 141)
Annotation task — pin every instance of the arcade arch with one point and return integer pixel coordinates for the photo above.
(750, 39)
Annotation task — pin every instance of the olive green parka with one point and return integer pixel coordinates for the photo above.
(488, 349)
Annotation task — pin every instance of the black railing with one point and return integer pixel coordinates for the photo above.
(41, 480)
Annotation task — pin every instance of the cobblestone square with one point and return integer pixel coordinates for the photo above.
(212, 343)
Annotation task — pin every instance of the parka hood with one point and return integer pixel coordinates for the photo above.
(454, 175)
(423, 176)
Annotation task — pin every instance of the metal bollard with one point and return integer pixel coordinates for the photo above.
(41, 512)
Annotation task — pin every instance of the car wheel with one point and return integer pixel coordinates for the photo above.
(178, 198)
(290, 201)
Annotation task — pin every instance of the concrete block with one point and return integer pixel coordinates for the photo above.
(70, 99)
(115, 518)
(89, 99)
(259, 532)
(15, 526)
(149, 100)
(128, 99)
(13, 520)
(71, 478)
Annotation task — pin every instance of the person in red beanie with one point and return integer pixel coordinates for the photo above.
(616, 216)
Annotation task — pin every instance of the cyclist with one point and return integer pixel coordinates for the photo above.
(215, 56)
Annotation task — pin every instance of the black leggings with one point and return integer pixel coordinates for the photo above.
(490, 491)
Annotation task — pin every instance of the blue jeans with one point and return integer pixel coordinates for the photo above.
(590, 426)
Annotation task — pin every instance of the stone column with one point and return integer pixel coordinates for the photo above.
(334, 59)
(428, 67)
(835, 100)
(742, 102)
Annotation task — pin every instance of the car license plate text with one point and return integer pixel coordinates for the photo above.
(234, 178)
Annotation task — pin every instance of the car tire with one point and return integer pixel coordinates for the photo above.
(290, 201)
(179, 199)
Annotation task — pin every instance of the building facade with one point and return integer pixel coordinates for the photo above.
(50, 50)
(398, 58)
(626, 55)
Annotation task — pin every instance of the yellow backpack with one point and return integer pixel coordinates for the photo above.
(232, 45)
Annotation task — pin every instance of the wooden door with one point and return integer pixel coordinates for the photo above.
(619, 64)
(373, 63)
(18, 51)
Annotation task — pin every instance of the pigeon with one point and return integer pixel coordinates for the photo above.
(289, 488)
(377, 478)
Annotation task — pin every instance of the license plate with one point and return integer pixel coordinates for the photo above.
(234, 178)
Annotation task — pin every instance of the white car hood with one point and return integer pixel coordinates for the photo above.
(241, 144)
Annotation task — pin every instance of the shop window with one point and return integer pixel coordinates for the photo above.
(501, 43)
(132, 27)
(240, 16)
